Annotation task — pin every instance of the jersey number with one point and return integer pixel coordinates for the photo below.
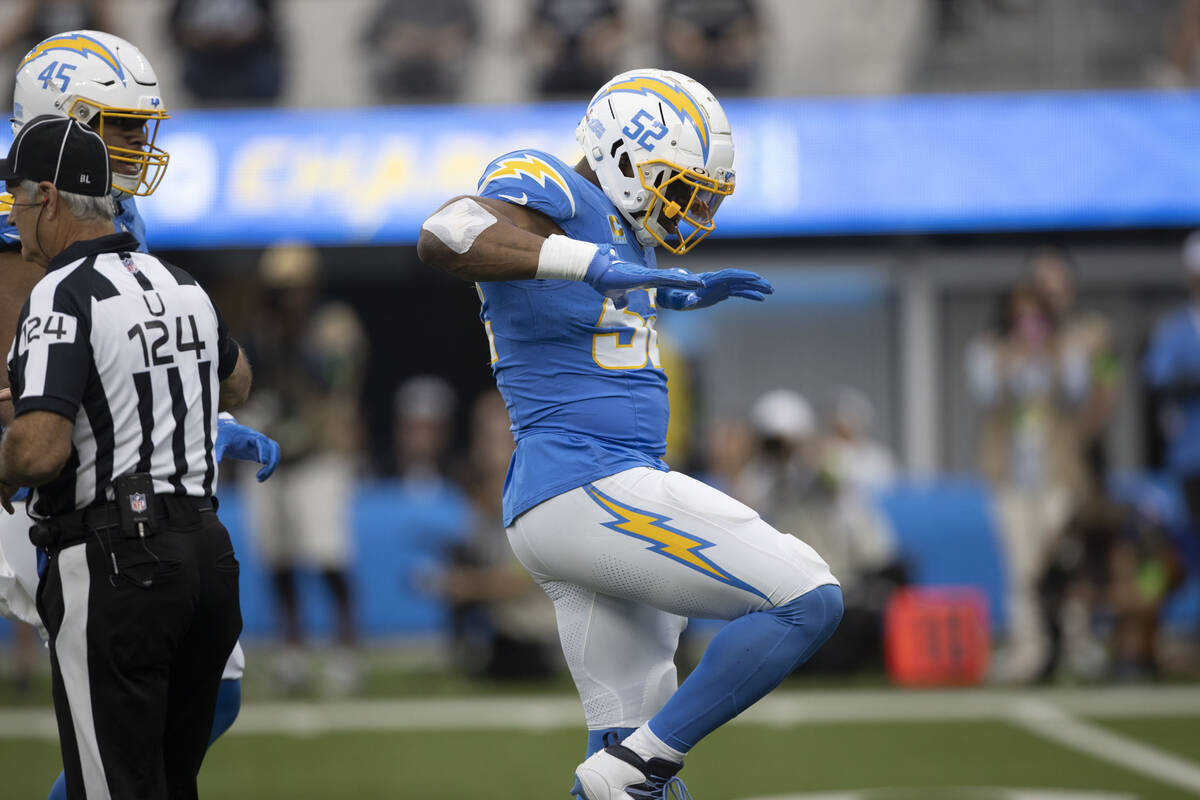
(161, 333)
(641, 343)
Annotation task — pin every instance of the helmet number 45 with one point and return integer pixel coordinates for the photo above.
(48, 74)
(643, 134)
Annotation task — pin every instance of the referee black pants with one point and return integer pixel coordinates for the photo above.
(140, 631)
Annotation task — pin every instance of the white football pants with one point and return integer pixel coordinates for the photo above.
(18, 569)
(627, 558)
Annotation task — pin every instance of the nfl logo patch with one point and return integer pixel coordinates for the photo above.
(137, 502)
(127, 261)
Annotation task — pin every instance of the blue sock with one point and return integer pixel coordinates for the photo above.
(748, 658)
(596, 738)
(59, 790)
(229, 703)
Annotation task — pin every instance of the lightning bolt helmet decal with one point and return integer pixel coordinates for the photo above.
(77, 43)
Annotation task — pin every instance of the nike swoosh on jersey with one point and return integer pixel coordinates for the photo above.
(522, 200)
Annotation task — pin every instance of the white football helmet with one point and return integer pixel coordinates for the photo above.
(660, 145)
(99, 79)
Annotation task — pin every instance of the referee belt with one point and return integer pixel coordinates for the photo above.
(64, 530)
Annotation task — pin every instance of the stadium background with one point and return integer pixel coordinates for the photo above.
(897, 162)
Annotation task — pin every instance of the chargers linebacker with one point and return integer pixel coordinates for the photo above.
(564, 261)
(106, 83)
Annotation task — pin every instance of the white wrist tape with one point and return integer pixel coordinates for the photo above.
(459, 224)
(563, 258)
(225, 415)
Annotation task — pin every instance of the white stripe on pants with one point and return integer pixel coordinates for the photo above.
(71, 649)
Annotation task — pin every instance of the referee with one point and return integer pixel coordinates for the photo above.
(118, 369)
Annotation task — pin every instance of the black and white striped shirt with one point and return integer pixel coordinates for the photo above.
(132, 350)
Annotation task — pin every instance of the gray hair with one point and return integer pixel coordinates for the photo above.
(84, 207)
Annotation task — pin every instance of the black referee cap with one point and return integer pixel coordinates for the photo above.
(60, 150)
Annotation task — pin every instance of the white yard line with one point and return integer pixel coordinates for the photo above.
(780, 709)
(1051, 722)
(1052, 714)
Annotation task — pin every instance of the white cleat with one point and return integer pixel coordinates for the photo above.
(618, 773)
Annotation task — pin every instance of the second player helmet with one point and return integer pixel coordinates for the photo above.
(100, 80)
(661, 148)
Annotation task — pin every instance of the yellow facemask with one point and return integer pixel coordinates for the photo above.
(150, 162)
(689, 197)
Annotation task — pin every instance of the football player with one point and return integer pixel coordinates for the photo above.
(105, 82)
(564, 262)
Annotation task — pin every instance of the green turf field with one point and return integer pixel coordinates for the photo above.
(1100, 744)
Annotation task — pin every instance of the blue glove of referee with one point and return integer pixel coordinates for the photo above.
(718, 286)
(247, 444)
(612, 276)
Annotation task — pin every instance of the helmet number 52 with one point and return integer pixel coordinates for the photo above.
(643, 134)
(48, 74)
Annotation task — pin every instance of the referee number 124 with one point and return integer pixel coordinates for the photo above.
(155, 334)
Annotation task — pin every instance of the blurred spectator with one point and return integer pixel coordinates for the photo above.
(230, 49)
(309, 358)
(782, 469)
(1091, 335)
(859, 462)
(1031, 384)
(502, 623)
(423, 409)
(1183, 46)
(1069, 589)
(418, 48)
(575, 45)
(40, 19)
(855, 468)
(788, 481)
(1111, 575)
(1146, 566)
(717, 42)
(1172, 372)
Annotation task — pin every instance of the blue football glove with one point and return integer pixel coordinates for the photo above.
(718, 286)
(612, 277)
(247, 444)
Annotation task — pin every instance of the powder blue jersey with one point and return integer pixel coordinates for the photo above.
(1174, 357)
(581, 378)
(126, 219)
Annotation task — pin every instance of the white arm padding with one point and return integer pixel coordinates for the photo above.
(459, 224)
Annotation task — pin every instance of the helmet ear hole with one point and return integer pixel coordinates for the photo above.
(625, 165)
(615, 147)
